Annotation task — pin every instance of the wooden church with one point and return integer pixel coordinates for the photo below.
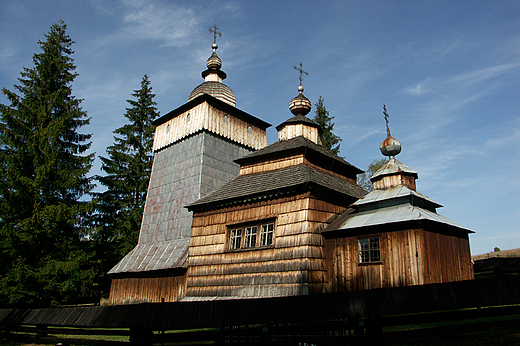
(228, 217)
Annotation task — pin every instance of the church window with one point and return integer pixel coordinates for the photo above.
(369, 250)
(249, 129)
(235, 240)
(266, 234)
(187, 117)
(225, 118)
(251, 236)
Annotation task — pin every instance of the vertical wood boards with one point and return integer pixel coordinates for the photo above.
(207, 117)
(408, 257)
(136, 290)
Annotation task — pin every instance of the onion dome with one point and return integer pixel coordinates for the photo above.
(213, 78)
(300, 105)
(393, 172)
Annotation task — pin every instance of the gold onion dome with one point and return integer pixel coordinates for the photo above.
(300, 105)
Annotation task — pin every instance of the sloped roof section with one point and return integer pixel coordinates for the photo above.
(388, 209)
(394, 193)
(298, 144)
(154, 256)
(249, 185)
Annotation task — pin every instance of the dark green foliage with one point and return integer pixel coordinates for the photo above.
(43, 181)
(127, 167)
(328, 138)
(363, 179)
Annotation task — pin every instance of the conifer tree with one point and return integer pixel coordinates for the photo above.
(328, 138)
(43, 175)
(128, 167)
(363, 179)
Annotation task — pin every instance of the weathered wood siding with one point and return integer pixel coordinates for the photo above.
(292, 266)
(294, 130)
(408, 257)
(206, 117)
(135, 290)
(288, 161)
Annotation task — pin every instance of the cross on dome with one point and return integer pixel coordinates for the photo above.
(302, 72)
(214, 30)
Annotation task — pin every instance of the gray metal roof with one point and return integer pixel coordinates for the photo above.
(393, 193)
(394, 166)
(389, 208)
(249, 185)
(154, 256)
(395, 214)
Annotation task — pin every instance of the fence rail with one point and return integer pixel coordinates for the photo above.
(316, 319)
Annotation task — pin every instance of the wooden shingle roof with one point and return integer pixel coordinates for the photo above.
(258, 185)
(300, 144)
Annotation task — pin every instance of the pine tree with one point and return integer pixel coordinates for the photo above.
(328, 138)
(127, 168)
(43, 178)
(363, 179)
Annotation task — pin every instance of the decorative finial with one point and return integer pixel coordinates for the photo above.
(302, 72)
(214, 30)
(390, 146)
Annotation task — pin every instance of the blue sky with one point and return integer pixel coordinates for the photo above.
(448, 72)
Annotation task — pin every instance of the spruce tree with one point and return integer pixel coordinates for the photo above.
(363, 179)
(127, 167)
(43, 175)
(328, 139)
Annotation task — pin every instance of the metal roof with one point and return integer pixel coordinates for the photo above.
(395, 192)
(395, 214)
(154, 256)
(394, 166)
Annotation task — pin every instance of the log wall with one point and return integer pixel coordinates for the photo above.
(408, 257)
(136, 290)
(293, 265)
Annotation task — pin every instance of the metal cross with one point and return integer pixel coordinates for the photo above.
(385, 113)
(302, 72)
(214, 30)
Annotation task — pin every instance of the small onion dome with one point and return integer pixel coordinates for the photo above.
(300, 105)
(390, 146)
(214, 62)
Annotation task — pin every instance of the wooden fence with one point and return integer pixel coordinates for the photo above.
(315, 319)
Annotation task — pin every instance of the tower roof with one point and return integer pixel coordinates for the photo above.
(214, 76)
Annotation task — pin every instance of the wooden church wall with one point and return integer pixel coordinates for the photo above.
(408, 257)
(135, 290)
(292, 266)
(212, 119)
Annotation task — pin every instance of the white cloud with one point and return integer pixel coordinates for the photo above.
(172, 23)
(484, 74)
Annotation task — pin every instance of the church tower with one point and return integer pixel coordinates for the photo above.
(194, 148)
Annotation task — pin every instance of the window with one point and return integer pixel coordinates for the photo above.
(236, 237)
(248, 237)
(369, 250)
(266, 235)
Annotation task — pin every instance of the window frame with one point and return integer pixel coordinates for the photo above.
(254, 236)
(372, 253)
